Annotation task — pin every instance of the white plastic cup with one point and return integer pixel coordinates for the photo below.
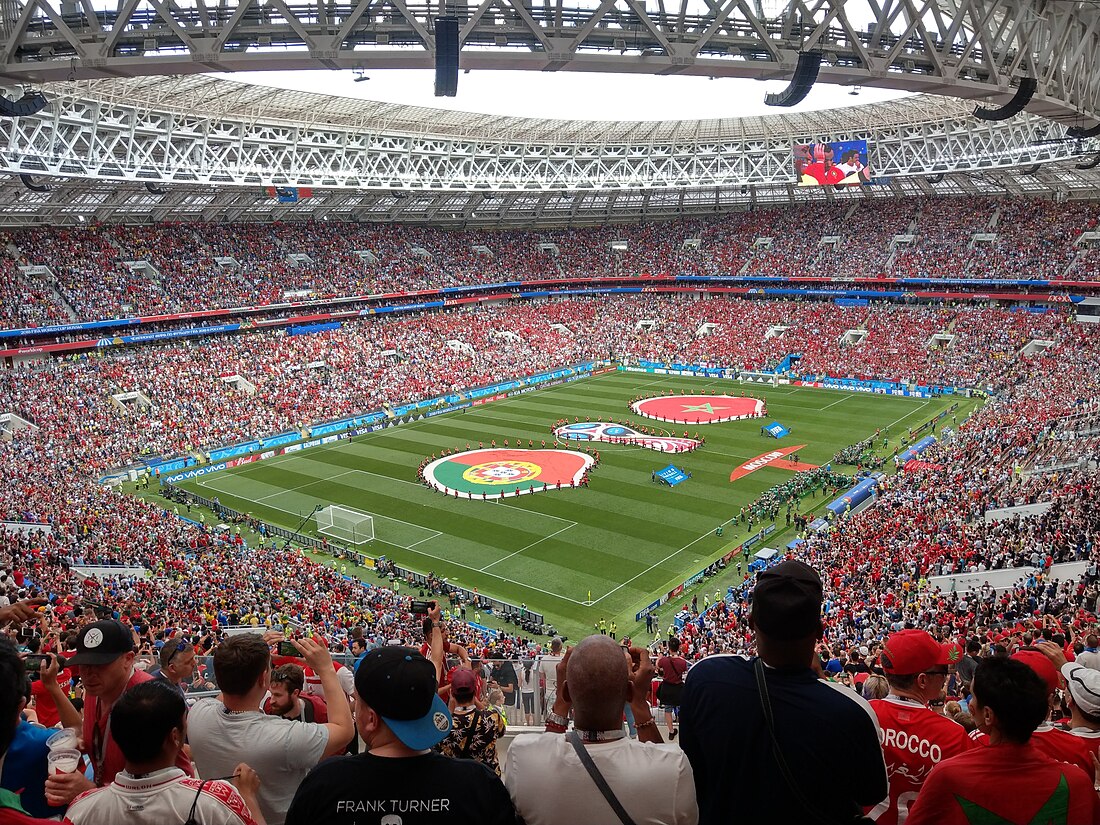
(64, 739)
(66, 760)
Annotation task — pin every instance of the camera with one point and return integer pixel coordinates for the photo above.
(422, 607)
(287, 648)
(33, 663)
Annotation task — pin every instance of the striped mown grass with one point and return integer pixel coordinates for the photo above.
(624, 539)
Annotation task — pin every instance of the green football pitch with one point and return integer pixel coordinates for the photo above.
(575, 555)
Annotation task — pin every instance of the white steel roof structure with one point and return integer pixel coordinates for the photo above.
(959, 48)
(202, 148)
(137, 146)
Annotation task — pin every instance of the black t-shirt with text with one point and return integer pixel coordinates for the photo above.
(421, 790)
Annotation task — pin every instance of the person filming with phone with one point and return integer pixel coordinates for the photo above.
(231, 728)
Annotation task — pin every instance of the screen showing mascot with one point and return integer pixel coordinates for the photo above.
(843, 163)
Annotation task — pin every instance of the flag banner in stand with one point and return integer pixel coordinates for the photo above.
(494, 473)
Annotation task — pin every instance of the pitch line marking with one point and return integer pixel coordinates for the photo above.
(302, 486)
(244, 469)
(653, 566)
(910, 415)
(502, 503)
(838, 401)
(415, 543)
(451, 561)
(728, 455)
(435, 533)
(528, 547)
(382, 516)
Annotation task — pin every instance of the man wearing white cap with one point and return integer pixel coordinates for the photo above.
(1081, 742)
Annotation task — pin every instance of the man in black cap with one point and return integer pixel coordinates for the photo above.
(399, 779)
(818, 759)
(105, 656)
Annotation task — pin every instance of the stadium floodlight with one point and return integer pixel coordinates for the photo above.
(345, 524)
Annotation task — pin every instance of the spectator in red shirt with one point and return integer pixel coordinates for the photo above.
(287, 699)
(672, 668)
(1010, 781)
(105, 655)
(914, 738)
(1079, 744)
(45, 705)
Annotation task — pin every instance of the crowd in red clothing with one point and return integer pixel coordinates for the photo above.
(877, 564)
(112, 407)
(928, 522)
(104, 271)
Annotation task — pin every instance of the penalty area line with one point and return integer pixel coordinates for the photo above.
(910, 415)
(529, 546)
(451, 561)
(652, 567)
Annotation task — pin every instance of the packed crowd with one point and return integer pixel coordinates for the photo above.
(112, 408)
(105, 271)
(877, 566)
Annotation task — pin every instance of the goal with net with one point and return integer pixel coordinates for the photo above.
(345, 524)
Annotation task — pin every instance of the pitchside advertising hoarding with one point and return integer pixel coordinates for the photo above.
(839, 163)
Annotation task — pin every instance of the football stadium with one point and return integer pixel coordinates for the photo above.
(385, 380)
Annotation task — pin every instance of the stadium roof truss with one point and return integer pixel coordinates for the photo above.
(125, 131)
(974, 49)
(121, 141)
(71, 200)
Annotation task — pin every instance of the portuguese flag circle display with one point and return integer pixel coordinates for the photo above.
(495, 473)
(699, 409)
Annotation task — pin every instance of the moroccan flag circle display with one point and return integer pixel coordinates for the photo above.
(495, 473)
(699, 409)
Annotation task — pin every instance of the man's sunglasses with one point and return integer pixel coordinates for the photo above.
(181, 646)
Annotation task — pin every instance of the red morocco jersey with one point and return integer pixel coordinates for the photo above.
(1076, 746)
(914, 740)
(1006, 784)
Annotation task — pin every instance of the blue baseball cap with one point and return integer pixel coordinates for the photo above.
(400, 686)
